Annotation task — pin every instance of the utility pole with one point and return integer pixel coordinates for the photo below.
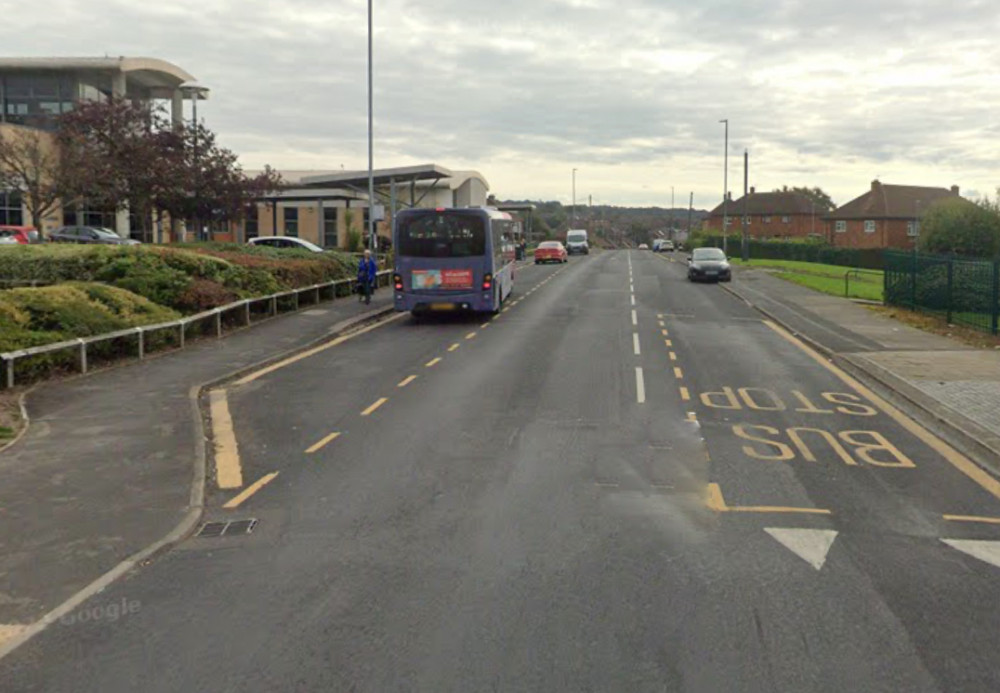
(746, 199)
(690, 212)
(725, 187)
(573, 213)
(671, 212)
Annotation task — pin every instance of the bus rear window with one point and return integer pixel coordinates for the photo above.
(442, 235)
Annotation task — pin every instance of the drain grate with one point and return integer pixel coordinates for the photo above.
(232, 528)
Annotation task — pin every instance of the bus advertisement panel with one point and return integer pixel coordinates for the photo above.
(452, 258)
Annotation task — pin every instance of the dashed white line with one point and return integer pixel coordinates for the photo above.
(635, 319)
(635, 343)
(640, 386)
(633, 299)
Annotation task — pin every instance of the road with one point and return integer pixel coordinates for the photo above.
(623, 482)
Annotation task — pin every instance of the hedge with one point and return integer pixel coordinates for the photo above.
(805, 250)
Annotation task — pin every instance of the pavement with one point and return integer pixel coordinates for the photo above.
(105, 468)
(948, 384)
(622, 482)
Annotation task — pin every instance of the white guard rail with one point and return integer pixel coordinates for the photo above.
(316, 293)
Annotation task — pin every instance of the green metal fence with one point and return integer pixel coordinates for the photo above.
(960, 290)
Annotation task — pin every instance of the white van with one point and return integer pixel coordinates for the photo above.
(576, 241)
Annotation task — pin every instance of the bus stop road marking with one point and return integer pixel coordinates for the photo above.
(715, 501)
(323, 443)
(375, 405)
(406, 381)
(959, 461)
(250, 490)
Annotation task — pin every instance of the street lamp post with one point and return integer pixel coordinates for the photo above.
(725, 187)
(573, 214)
(371, 145)
(671, 212)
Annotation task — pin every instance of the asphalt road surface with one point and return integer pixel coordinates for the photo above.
(624, 482)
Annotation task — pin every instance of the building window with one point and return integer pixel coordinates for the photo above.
(913, 228)
(869, 226)
(10, 208)
(749, 219)
(840, 227)
(251, 226)
(725, 223)
(291, 221)
(785, 220)
(766, 220)
(330, 237)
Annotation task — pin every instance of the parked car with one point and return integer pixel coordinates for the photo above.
(643, 246)
(666, 246)
(89, 234)
(708, 264)
(18, 235)
(287, 242)
(551, 251)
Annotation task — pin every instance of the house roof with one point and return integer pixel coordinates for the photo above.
(885, 201)
(768, 203)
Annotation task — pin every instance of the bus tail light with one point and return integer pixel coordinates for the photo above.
(397, 281)
(487, 281)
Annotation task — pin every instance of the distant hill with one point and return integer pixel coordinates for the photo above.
(637, 224)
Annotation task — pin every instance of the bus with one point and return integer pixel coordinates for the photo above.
(452, 259)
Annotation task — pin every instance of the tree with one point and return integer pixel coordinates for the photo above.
(955, 225)
(29, 163)
(824, 203)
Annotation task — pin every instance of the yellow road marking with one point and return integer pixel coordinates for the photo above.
(662, 324)
(955, 458)
(375, 405)
(715, 501)
(406, 381)
(471, 335)
(453, 347)
(668, 342)
(664, 333)
(673, 356)
(315, 350)
(685, 395)
(433, 362)
(228, 471)
(972, 518)
(250, 490)
(329, 439)
(692, 417)
(484, 326)
(678, 373)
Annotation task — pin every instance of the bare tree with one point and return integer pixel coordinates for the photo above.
(30, 164)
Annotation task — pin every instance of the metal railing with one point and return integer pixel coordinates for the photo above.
(212, 322)
(856, 273)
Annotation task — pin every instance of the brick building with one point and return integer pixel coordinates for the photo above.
(887, 216)
(771, 215)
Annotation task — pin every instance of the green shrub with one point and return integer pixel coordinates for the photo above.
(202, 295)
(961, 227)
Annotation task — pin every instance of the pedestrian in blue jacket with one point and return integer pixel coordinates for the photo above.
(367, 270)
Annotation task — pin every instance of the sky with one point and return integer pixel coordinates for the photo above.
(829, 93)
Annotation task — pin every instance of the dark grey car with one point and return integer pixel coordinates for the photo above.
(89, 234)
(709, 264)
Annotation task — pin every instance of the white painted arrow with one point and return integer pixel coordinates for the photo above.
(984, 550)
(811, 545)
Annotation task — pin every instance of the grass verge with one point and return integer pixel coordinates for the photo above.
(828, 279)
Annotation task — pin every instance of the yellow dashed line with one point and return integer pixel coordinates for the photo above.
(406, 381)
(250, 490)
(668, 342)
(685, 395)
(972, 518)
(329, 439)
(678, 373)
(378, 403)
(471, 335)
(453, 347)
(673, 356)
(433, 362)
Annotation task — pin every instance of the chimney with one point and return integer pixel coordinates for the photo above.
(876, 184)
(954, 190)
(752, 190)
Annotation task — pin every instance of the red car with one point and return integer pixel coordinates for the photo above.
(550, 251)
(18, 235)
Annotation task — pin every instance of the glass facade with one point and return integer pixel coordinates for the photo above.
(330, 227)
(89, 217)
(11, 213)
(34, 99)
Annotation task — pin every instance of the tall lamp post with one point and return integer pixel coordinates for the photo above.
(725, 187)
(195, 91)
(371, 145)
(573, 215)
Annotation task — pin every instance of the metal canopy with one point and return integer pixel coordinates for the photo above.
(383, 176)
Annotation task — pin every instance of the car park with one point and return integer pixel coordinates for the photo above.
(709, 264)
(550, 251)
(90, 235)
(286, 242)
